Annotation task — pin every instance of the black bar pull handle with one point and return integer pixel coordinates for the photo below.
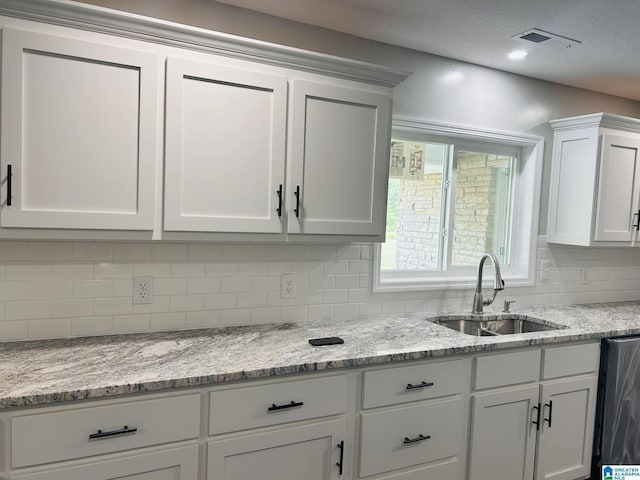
(275, 407)
(419, 438)
(340, 463)
(297, 194)
(422, 384)
(536, 422)
(9, 175)
(550, 405)
(112, 433)
(636, 220)
(279, 192)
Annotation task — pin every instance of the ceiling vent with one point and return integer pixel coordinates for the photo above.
(535, 36)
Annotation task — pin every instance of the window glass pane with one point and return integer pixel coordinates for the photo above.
(415, 206)
(482, 207)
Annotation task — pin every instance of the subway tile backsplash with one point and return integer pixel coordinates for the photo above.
(66, 289)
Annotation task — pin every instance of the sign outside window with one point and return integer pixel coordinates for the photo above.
(407, 160)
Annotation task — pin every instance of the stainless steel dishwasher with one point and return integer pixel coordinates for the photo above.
(617, 426)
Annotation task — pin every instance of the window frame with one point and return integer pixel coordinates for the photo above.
(525, 209)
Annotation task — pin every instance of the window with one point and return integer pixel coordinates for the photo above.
(453, 195)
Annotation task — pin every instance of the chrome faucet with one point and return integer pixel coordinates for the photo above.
(498, 284)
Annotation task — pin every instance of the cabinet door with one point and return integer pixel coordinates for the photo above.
(173, 464)
(339, 160)
(618, 190)
(310, 452)
(566, 435)
(225, 148)
(573, 186)
(78, 134)
(502, 445)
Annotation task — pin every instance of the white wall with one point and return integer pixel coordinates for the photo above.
(84, 288)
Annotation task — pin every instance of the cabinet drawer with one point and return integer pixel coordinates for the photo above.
(449, 470)
(572, 360)
(63, 435)
(173, 464)
(263, 405)
(507, 369)
(408, 384)
(386, 440)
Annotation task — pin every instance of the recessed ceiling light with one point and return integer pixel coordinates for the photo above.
(517, 55)
(453, 77)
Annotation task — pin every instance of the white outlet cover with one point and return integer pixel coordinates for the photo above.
(142, 290)
(288, 286)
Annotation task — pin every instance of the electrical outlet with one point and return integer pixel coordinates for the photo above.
(545, 270)
(288, 286)
(142, 290)
(584, 276)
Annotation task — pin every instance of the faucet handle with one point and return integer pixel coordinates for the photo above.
(507, 304)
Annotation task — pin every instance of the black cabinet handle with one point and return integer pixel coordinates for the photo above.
(9, 175)
(297, 194)
(419, 438)
(340, 463)
(536, 422)
(550, 405)
(279, 209)
(112, 433)
(636, 220)
(410, 386)
(275, 407)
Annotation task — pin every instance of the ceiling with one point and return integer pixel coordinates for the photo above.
(480, 31)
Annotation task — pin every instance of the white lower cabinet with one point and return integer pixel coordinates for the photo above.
(409, 436)
(447, 470)
(288, 430)
(503, 441)
(421, 430)
(153, 437)
(541, 430)
(309, 452)
(172, 464)
(566, 431)
(465, 418)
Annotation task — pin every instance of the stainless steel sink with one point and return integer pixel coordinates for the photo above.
(495, 325)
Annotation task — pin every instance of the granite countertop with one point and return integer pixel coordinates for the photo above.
(48, 371)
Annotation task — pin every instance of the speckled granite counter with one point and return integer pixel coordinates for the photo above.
(42, 372)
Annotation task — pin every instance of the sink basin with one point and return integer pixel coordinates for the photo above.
(495, 325)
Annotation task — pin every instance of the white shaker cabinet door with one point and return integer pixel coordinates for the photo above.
(225, 148)
(174, 464)
(503, 437)
(78, 134)
(339, 160)
(619, 195)
(310, 452)
(566, 429)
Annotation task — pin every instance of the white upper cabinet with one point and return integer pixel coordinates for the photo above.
(595, 181)
(225, 148)
(78, 134)
(260, 142)
(338, 164)
(618, 192)
(226, 131)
